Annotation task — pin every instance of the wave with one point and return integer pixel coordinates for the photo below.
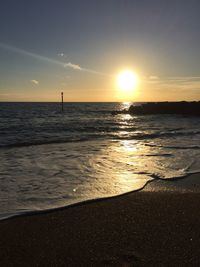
(78, 202)
(121, 134)
(158, 155)
(174, 147)
(42, 142)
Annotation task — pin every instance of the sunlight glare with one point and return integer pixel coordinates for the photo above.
(127, 81)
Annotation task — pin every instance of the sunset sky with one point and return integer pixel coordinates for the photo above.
(80, 46)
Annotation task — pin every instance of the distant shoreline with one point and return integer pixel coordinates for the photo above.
(170, 108)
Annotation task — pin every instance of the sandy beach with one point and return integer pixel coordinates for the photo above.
(99, 133)
(136, 229)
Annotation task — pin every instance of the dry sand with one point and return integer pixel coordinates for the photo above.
(137, 229)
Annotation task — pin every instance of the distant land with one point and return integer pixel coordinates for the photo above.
(182, 108)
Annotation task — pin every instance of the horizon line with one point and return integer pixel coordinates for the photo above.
(98, 101)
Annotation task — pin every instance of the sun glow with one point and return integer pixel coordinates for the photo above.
(127, 81)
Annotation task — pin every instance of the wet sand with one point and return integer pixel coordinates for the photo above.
(137, 229)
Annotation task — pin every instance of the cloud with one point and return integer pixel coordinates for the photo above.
(50, 60)
(153, 77)
(35, 82)
(5, 95)
(73, 66)
(63, 84)
(61, 54)
(10, 95)
(169, 80)
(183, 85)
(78, 67)
(185, 77)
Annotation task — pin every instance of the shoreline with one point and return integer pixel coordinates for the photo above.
(177, 184)
(144, 228)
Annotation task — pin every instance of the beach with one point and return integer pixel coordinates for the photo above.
(100, 133)
(51, 159)
(143, 228)
(86, 188)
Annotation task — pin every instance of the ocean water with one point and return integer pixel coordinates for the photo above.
(51, 159)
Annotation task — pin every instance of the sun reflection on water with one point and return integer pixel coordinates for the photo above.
(129, 146)
(125, 105)
(118, 165)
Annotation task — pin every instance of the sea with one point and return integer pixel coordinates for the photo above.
(51, 159)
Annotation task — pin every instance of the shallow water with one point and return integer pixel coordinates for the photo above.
(50, 159)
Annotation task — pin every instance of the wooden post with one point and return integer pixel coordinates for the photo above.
(62, 101)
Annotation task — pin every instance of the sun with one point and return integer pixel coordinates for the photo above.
(127, 81)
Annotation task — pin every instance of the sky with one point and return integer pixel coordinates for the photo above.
(79, 47)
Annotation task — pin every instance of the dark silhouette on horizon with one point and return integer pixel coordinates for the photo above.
(181, 108)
